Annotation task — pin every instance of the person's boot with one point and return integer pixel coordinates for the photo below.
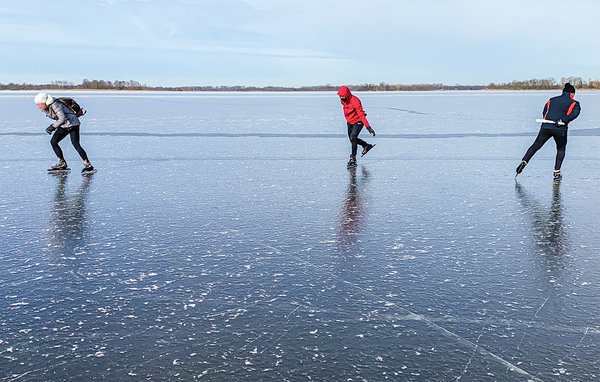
(557, 175)
(520, 167)
(60, 166)
(88, 168)
(366, 149)
(352, 161)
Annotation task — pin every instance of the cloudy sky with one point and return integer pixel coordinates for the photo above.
(295, 43)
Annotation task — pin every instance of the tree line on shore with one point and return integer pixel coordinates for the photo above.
(532, 84)
(546, 84)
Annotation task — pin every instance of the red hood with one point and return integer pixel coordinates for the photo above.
(345, 92)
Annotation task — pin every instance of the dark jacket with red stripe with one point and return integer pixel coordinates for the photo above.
(563, 107)
(353, 110)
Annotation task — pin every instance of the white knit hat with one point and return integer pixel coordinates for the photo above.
(40, 98)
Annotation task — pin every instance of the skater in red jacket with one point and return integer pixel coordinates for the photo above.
(356, 119)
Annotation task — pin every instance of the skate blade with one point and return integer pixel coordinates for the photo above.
(51, 171)
(362, 155)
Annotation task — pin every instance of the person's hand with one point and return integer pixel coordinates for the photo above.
(50, 129)
(370, 129)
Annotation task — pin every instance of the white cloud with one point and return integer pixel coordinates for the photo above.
(139, 23)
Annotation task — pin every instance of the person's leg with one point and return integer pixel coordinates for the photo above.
(353, 131)
(560, 138)
(58, 136)
(74, 133)
(362, 143)
(358, 140)
(542, 137)
(352, 143)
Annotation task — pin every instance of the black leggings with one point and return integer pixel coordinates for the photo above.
(560, 137)
(353, 131)
(60, 134)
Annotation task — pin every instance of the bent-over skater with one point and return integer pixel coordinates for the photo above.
(67, 123)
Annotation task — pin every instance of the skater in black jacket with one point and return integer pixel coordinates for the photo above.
(558, 112)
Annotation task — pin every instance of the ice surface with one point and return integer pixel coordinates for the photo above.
(223, 238)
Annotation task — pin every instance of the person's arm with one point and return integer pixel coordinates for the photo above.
(60, 114)
(363, 116)
(546, 107)
(573, 111)
(359, 111)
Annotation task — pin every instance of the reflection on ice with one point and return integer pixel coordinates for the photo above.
(352, 214)
(68, 222)
(549, 234)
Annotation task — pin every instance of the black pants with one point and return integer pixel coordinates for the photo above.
(60, 134)
(353, 131)
(560, 137)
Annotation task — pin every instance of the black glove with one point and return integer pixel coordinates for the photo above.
(50, 129)
(370, 129)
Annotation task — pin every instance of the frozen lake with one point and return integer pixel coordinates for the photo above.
(223, 238)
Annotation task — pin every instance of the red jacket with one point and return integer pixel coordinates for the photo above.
(353, 110)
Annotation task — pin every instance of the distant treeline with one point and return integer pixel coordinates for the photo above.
(84, 85)
(533, 84)
(546, 84)
(415, 87)
(134, 85)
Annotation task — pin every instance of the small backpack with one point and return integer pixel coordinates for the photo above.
(73, 105)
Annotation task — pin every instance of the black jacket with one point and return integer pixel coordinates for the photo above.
(563, 107)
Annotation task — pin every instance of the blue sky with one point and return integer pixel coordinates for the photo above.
(295, 43)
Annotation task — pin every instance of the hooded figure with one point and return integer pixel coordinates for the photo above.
(558, 112)
(356, 118)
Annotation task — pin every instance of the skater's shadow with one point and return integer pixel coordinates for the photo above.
(549, 234)
(68, 216)
(352, 215)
